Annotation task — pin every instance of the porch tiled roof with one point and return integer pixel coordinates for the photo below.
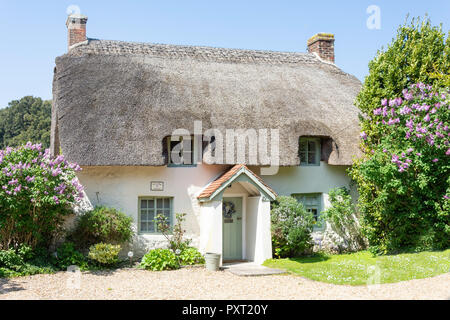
(221, 180)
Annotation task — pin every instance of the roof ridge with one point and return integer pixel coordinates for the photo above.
(200, 47)
(204, 53)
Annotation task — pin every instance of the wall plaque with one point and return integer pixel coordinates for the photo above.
(157, 186)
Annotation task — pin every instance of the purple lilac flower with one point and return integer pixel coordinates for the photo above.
(363, 135)
(435, 160)
(394, 158)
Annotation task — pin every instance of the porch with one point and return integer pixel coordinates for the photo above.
(235, 217)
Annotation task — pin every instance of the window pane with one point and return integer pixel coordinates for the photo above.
(144, 216)
(144, 226)
(151, 204)
(315, 213)
(187, 157)
(166, 203)
(143, 204)
(151, 216)
(311, 157)
(303, 145)
(159, 203)
(151, 227)
(303, 157)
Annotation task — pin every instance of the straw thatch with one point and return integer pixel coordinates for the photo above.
(114, 102)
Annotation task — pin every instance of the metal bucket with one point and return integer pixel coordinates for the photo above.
(212, 261)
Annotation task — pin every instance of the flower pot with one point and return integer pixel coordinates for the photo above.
(212, 261)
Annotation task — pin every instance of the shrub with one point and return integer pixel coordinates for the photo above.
(403, 180)
(36, 192)
(175, 235)
(102, 225)
(159, 259)
(21, 262)
(292, 226)
(343, 220)
(191, 256)
(407, 208)
(104, 254)
(67, 255)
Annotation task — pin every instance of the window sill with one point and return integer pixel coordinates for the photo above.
(156, 234)
(181, 165)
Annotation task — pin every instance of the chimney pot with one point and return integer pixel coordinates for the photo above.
(323, 45)
(76, 29)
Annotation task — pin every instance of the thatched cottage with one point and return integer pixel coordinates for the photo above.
(141, 118)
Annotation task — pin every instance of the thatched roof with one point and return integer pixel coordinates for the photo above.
(114, 102)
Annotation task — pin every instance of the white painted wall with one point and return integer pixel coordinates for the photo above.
(120, 187)
(259, 242)
(211, 227)
(307, 179)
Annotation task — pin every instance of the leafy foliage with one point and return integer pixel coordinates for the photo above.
(403, 178)
(420, 52)
(67, 255)
(36, 192)
(344, 221)
(105, 254)
(23, 261)
(404, 183)
(191, 256)
(27, 119)
(103, 224)
(160, 259)
(292, 226)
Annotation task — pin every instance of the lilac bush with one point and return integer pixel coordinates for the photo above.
(404, 178)
(36, 192)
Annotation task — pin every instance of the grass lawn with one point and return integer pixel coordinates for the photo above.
(362, 267)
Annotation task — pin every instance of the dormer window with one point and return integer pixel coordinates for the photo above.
(181, 151)
(309, 151)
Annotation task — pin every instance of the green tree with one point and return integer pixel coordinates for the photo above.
(27, 119)
(420, 52)
(403, 200)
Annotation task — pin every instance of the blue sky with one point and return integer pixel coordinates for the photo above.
(33, 33)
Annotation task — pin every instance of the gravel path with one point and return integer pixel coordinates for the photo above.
(197, 283)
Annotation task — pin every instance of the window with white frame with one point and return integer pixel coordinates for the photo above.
(181, 151)
(312, 203)
(309, 151)
(150, 208)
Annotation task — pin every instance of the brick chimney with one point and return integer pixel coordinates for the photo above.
(323, 45)
(76, 29)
